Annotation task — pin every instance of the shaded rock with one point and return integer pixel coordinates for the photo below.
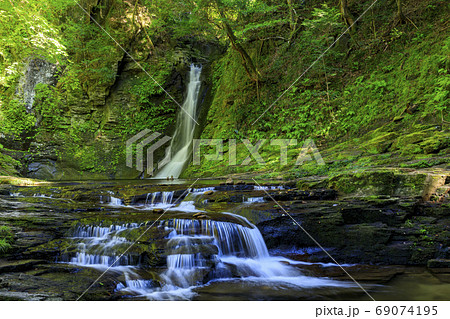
(438, 263)
(19, 266)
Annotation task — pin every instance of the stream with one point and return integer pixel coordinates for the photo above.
(154, 240)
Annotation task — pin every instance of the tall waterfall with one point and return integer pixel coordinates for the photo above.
(181, 144)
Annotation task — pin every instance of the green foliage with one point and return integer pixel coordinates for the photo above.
(24, 32)
(14, 117)
(148, 113)
(6, 239)
(48, 106)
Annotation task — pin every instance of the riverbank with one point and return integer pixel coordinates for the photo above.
(376, 228)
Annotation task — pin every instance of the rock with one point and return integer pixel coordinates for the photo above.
(197, 214)
(317, 194)
(208, 192)
(438, 263)
(19, 266)
(229, 181)
(158, 211)
(240, 183)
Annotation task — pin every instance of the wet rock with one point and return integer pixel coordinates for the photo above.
(19, 266)
(204, 250)
(223, 187)
(210, 192)
(317, 194)
(438, 263)
(229, 181)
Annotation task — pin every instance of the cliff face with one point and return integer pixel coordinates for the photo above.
(68, 116)
(99, 150)
(377, 98)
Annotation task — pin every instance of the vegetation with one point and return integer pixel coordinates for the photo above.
(6, 239)
(285, 70)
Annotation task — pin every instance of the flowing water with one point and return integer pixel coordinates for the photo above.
(198, 253)
(151, 241)
(181, 143)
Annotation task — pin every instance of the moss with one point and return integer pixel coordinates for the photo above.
(413, 138)
(436, 143)
(375, 183)
(21, 181)
(380, 143)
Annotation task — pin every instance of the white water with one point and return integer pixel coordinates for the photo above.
(98, 244)
(268, 188)
(163, 200)
(115, 201)
(181, 144)
(159, 200)
(201, 190)
(224, 251)
(254, 200)
(199, 252)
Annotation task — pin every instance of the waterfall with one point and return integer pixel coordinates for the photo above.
(197, 252)
(98, 245)
(181, 144)
(231, 239)
(159, 200)
(204, 251)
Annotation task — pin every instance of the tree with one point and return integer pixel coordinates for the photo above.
(247, 61)
(346, 14)
(400, 14)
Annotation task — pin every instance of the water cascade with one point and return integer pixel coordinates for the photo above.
(200, 252)
(197, 253)
(181, 143)
(98, 245)
(159, 200)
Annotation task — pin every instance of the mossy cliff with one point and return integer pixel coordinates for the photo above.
(66, 114)
(377, 98)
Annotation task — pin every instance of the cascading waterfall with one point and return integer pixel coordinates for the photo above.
(159, 200)
(98, 245)
(152, 200)
(204, 251)
(197, 252)
(181, 144)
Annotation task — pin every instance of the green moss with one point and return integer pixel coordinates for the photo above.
(380, 143)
